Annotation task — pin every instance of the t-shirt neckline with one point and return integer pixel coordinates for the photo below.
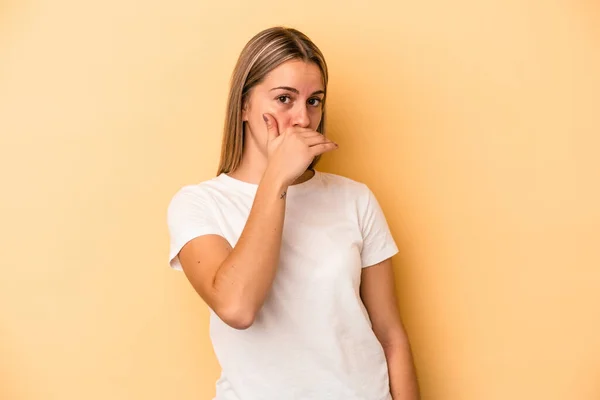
(252, 187)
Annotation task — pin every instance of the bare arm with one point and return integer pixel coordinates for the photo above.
(234, 282)
(379, 296)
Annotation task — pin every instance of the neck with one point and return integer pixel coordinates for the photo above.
(253, 166)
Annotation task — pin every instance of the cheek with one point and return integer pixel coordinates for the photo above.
(315, 118)
(255, 116)
(257, 126)
(281, 115)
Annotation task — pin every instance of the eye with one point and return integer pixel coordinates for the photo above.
(284, 99)
(315, 102)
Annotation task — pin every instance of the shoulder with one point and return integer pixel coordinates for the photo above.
(349, 186)
(197, 194)
(350, 191)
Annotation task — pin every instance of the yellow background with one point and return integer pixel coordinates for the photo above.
(475, 123)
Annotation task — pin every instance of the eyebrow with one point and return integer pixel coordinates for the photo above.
(294, 90)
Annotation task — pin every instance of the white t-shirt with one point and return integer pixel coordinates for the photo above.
(312, 339)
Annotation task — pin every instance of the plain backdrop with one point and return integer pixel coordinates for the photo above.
(476, 124)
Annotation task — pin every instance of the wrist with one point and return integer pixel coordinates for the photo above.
(273, 178)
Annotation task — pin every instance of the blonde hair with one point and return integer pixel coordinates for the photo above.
(263, 53)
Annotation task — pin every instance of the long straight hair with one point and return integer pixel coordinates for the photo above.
(263, 53)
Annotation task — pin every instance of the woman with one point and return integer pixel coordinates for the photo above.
(294, 263)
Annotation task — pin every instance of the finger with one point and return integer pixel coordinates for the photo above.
(299, 130)
(309, 134)
(323, 148)
(272, 128)
(315, 140)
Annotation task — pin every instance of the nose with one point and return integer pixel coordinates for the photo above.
(301, 118)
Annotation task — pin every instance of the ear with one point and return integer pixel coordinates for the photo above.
(245, 111)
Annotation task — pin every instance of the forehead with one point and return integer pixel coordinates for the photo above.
(296, 73)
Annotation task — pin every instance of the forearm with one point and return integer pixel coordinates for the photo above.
(245, 277)
(403, 379)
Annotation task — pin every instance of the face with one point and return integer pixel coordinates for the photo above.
(293, 93)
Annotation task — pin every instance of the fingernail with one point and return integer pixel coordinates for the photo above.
(265, 118)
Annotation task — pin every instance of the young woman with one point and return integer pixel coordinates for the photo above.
(295, 264)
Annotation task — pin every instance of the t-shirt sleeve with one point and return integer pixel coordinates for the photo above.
(189, 215)
(378, 243)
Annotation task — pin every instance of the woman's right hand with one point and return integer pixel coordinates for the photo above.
(291, 152)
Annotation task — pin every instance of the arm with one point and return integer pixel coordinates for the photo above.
(234, 282)
(378, 294)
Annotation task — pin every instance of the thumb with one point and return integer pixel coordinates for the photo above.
(272, 128)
